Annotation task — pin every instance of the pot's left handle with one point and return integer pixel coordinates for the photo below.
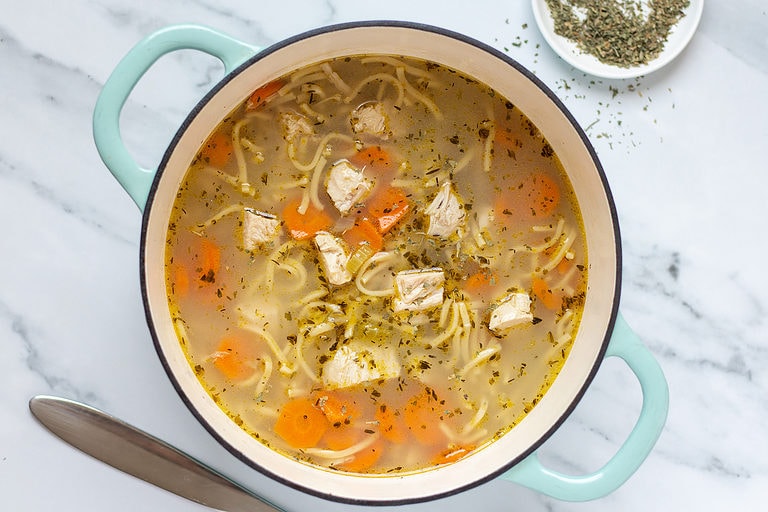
(106, 117)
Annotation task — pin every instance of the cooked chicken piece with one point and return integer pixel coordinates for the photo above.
(294, 124)
(259, 228)
(333, 258)
(370, 118)
(512, 310)
(360, 362)
(446, 214)
(346, 185)
(418, 290)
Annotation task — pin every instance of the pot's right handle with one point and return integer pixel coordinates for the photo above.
(106, 117)
(626, 345)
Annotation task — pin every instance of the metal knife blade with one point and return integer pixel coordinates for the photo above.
(142, 455)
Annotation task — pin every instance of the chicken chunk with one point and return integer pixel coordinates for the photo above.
(512, 310)
(418, 290)
(333, 258)
(370, 118)
(446, 214)
(347, 185)
(259, 228)
(360, 362)
(294, 124)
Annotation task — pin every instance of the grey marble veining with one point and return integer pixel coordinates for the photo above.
(682, 149)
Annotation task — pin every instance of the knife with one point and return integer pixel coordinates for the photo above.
(142, 455)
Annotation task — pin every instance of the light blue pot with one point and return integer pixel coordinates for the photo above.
(523, 467)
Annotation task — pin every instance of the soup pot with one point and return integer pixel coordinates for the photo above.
(602, 333)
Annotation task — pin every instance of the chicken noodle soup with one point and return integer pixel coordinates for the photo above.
(376, 265)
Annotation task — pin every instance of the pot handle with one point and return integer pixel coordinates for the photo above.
(106, 117)
(626, 345)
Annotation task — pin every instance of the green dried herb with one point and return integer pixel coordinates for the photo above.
(621, 33)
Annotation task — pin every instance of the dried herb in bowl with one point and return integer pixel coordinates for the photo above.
(623, 33)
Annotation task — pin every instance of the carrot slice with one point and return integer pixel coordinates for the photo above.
(179, 278)
(543, 194)
(564, 265)
(542, 291)
(217, 150)
(234, 358)
(341, 437)
(300, 423)
(422, 414)
(374, 157)
(452, 454)
(391, 424)
(209, 259)
(365, 458)
(389, 207)
(340, 408)
(480, 281)
(260, 96)
(537, 196)
(363, 231)
(304, 226)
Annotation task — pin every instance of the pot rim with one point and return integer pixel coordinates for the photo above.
(471, 481)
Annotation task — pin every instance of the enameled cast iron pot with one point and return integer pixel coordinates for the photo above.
(602, 332)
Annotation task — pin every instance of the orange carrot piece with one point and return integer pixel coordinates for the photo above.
(179, 280)
(391, 424)
(300, 423)
(363, 231)
(480, 281)
(542, 194)
(304, 226)
(422, 415)
(374, 157)
(545, 295)
(338, 407)
(564, 265)
(507, 140)
(209, 259)
(260, 96)
(217, 150)
(389, 207)
(537, 196)
(365, 459)
(452, 454)
(341, 437)
(234, 358)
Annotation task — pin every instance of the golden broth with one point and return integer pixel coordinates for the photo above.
(376, 264)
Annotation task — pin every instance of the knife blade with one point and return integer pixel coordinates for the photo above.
(142, 455)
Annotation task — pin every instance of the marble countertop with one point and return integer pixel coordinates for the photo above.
(683, 149)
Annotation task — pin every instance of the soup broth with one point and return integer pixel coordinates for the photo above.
(376, 264)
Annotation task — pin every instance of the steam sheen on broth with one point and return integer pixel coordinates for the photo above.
(376, 264)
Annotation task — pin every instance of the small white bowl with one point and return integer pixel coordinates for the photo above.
(678, 38)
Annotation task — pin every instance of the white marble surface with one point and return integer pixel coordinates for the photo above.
(683, 148)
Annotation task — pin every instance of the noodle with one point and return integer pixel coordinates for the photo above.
(417, 95)
(314, 186)
(341, 456)
(480, 358)
(384, 78)
(322, 148)
(335, 78)
(396, 63)
(364, 275)
(447, 333)
(220, 215)
(299, 349)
